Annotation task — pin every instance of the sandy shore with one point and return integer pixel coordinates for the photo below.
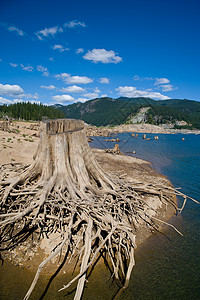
(19, 144)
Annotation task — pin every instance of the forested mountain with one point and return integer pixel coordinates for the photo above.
(29, 111)
(108, 111)
(100, 112)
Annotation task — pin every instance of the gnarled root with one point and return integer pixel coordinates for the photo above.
(65, 191)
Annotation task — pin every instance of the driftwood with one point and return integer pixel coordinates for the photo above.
(115, 150)
(65, 191)
(5, 126)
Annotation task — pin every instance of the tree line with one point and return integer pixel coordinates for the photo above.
(164, 114)
(30, 111)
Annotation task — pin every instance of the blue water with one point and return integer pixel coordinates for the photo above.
(168, 268)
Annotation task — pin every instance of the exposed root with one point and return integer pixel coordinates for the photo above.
(66, 192)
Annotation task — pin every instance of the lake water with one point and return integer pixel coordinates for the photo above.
(166, 267)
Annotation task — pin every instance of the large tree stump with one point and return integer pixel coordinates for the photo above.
(65, 191)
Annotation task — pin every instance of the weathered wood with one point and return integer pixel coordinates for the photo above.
(86, 256)
(68, 191)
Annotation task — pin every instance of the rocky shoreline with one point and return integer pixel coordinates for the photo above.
(135, 128)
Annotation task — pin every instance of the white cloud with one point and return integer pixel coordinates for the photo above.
(5, 101)
(67, 78)
(104, 80)
(102, 55)
(60, 48)
(148, 78)
(63, 98)
(136, 77)
(10, 90)
(46, 74)
(164, 84)
(17, 30)
(13, 65)
(51, 59)
(73, 89)
(48, 87)
(48, 32)
(43, 70)
(33, 101)
(168, 88)
(79, 50)
(91, 95)
(26, 68)
(131, 91)
(79, 79)
(29, 96)
(74, 24)
(18, 100)
(104, 95)
(62, 76)
(82, 100)
(161, 81)
(96, 90)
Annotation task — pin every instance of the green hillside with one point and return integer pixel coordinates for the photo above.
(108, 111)
(100, 112)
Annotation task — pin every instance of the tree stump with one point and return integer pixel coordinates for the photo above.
(65, 191)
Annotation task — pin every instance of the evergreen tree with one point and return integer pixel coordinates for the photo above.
(28, 111)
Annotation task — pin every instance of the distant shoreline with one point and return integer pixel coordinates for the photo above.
(135, 128)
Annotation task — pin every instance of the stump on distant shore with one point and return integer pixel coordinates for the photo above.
(65, 191)
(115, 150)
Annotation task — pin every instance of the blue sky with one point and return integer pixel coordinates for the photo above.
(70, 51)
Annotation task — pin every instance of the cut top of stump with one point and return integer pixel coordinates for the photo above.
(59, 126)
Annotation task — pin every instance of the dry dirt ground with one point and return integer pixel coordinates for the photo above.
(19, 144)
